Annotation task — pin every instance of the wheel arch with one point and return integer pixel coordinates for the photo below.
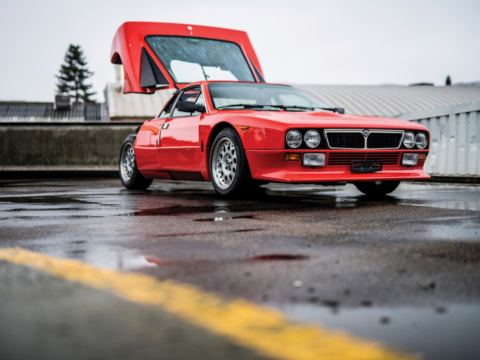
(211, 138)
(131, 137)
(216, 130)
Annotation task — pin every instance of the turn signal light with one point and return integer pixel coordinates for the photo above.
(422, 157)
(292, 157)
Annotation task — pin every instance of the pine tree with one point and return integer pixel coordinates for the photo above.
(448, 81)
(73, 73)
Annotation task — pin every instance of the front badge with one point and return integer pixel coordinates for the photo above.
(365, 133)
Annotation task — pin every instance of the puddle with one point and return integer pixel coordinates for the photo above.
(201, 233)
(178, 210)
(226, 218)
(42, 200)
(279, 257)
(274, 203)
(453, 205)
(439, 332)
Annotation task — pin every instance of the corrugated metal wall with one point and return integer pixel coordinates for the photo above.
(19, 111)
(130, 106)
(454, 139)
(391, 100)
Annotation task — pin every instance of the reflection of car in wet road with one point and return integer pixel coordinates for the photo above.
(402, 271)
(226, 125)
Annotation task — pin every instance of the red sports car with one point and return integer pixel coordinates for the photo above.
(225, 124)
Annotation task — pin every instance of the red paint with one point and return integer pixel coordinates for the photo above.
(180, 148)
(176, 151)
(180, 144)
(130, 39)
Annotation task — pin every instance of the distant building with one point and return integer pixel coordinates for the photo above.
(133, 107)
(392, 100)
(59, 111)
(369, 100)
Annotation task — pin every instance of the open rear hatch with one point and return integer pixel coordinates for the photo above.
(163, 56)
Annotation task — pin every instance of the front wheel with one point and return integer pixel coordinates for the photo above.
(228, 166)
(129, 174)
(376, 188)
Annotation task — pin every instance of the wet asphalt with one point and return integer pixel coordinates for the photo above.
(404, 269)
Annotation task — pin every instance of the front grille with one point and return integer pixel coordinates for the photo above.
(346, 140)
(388, 158)
(383, 140)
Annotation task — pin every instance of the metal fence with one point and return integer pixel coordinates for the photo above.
(22, 111)
(454, 139)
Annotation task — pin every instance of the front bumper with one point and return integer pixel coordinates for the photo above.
(269, 165)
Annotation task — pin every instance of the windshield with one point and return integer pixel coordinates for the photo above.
(231, 96)
(190, 59)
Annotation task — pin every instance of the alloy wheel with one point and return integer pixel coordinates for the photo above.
(224, 166)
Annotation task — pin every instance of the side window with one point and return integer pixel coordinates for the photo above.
(188, 95)
(167, 110)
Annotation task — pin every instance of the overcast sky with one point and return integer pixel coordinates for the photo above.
(300, 41)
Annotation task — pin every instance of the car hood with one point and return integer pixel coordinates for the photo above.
(323, 119)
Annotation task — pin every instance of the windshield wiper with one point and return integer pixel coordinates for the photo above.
(245, 106)
(286, 107)
(283, 107)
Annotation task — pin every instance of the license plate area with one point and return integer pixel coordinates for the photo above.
(367, 166)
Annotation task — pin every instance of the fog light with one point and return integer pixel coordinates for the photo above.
(292, 157)
(314, 159)
(410, 159)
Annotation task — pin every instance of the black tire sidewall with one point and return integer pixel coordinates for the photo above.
(242, 176)
(370, 188)
(137, 180)
(127, 183)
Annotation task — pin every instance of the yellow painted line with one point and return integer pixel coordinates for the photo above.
(265, 330)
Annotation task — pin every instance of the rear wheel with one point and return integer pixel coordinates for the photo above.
(129, 174)
(377, 188)
(228, 166)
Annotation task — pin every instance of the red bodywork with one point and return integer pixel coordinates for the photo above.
(182, 151)
(130, 40)
(179, 153)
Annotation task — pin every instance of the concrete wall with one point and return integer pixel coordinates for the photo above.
(455, 139)
(60, 146)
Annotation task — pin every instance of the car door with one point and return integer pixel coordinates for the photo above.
(148, 139)
(179, 149)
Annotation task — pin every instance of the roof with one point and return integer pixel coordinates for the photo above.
(44, 111)
(134, 106)
(391, 100)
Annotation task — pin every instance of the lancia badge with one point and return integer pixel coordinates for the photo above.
(365, 133)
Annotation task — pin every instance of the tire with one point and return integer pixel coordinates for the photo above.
(127, 166)
(228, 165)
(377, 188)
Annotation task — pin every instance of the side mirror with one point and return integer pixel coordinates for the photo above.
(200, 108)
(190, 107)
(340, 110)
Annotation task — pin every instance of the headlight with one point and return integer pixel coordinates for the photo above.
(294, 138)
(312, 138)
(421, 140)
(409, 140)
